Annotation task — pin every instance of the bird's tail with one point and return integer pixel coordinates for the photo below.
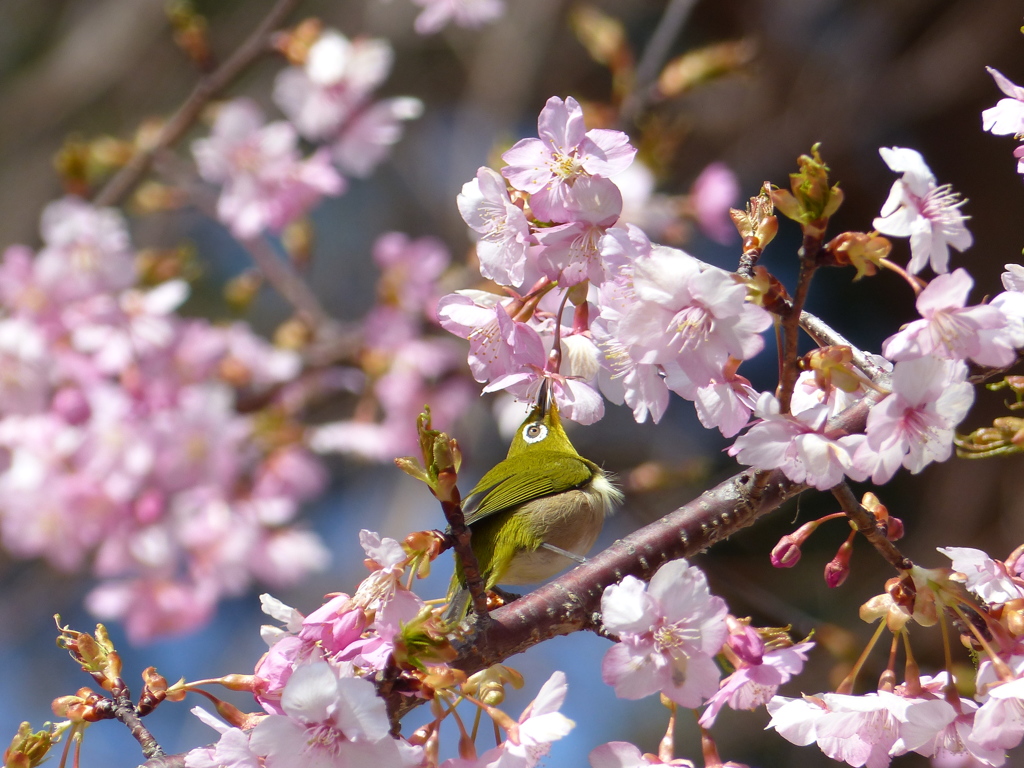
(458, 605)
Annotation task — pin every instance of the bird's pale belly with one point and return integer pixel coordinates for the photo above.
(573, 524)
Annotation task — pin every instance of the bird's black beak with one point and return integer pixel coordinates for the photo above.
(544, 397)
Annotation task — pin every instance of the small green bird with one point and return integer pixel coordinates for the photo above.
(534, 512)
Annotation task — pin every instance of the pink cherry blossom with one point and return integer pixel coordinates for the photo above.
(505, 234)
(987, 578)
(472, 14)
(266, 185)
(923, 211)
(669, 632)
(1007, 117)
(328, 720)
(368, 135)
(915, 424)
(573, 251)
(935, 728)
(86, 252)
(338, 76)
(795, 444)
(231, 750)
(754, 684)
(951, 330)
(549, 167)
(622, 754)
(714, 192)
(858, 730)
(530, 739)
(999, 724)
(689, 315)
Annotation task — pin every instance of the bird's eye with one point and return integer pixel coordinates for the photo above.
(534, 433)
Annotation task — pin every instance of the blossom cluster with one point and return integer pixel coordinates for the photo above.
(927, 714)
(265, 182)
(646, 319)
(121, 444)
(316, 683)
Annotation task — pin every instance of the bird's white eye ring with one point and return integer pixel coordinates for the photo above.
(534, 433)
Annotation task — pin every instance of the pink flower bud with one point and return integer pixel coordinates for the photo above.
(787, 552)
(838, 567)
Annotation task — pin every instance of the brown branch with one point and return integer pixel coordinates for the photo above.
(287, 282)
(257, 44)
(868, 527)
(791, 320)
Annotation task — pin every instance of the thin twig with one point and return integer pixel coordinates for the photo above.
(791, 320)
(257, 44)
(657, 50)
(288, 283)
(866, 525)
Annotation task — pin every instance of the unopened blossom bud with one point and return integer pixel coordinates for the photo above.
(865, 251)
(894, 529)
(787, 552)
(295, 43)
(1013, 616)
(153, 692)
(28, 749)
(838, 568)
(488, 685)
(758, 224)
(810, 201)
(832, 367)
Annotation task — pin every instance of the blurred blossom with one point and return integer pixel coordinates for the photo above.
(265, 182)
(464, 13)
(124, 449)
(329, 100)
(715, 191)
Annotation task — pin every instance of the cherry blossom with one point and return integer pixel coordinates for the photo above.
(86, 251)
(1007, 117)
(464, 13)
(369, 134)
(266, 184)
(714, 192)
(858, 730)
(622, 754)
(691, 316)
(756, 680)
(338, 76)
(486, 207)
(915, 424)
(923, 211)
(796, 444)
(987, 578)
(573, 251)
(530, 738)
(998, 724)
(669, 632)
(328, 720)
(231, 750)
(549, 167)
(951, 330)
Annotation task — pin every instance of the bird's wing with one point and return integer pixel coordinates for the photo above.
(504, 487)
